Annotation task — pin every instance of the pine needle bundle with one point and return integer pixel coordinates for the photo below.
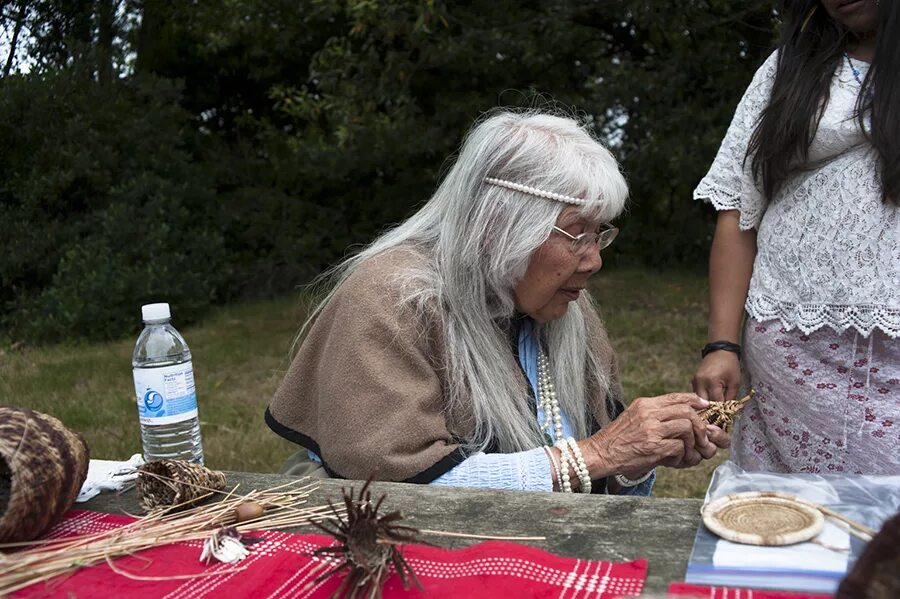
(275, 508)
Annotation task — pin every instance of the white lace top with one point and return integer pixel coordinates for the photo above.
(828, 247)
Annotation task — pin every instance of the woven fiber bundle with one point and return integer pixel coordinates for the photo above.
(42, 467)
(167, 483)
(723, 413)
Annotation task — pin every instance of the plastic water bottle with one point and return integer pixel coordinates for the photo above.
(164, 385)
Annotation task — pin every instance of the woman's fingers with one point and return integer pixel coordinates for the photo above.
(732, 384)
(691, 459)
(672, 399)
(687, 413)
(718, 376)
(665, 430)
(716, 391)
(719, 438)
(673, 453)
(708, 452)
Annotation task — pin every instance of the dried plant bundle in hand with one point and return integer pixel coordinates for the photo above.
(167, 483)
(368, 545)
(723, 413)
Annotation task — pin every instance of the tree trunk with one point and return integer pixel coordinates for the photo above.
(20, 22)
(106, 16)
(152, 18)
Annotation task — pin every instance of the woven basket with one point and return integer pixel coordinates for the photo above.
(42, 467)
(168, 483)
(763, 518)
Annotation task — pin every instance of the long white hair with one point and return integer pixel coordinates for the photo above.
(479, 239)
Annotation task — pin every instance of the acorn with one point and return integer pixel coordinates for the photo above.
(249, 510)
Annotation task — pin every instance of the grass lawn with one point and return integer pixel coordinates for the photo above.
(657, 322)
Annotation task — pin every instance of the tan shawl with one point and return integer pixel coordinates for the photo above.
(365, 390)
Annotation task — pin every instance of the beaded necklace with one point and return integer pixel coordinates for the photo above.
(853, 69)
(570, 454)
(857, 74)
(547, 400)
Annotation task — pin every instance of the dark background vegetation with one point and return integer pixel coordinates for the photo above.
(211, 151)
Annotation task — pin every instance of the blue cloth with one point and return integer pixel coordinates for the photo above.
(642, 490)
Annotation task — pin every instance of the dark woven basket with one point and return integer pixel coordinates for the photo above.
(42, 467)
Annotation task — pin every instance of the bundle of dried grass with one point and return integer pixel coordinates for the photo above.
(42, 466)
(162, 484)
(723, 413)
(278, 507)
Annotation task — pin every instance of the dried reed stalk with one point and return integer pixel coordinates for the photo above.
(282, 508)
(858, 530)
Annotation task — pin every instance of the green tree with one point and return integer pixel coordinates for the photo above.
(245, 144)
(101, 207)
(391, 96)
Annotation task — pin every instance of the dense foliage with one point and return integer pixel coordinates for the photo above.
(196, 152)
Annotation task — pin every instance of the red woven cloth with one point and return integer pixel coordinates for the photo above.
(281, 566)
(693, 590)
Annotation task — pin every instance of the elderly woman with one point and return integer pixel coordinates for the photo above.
(462, 347)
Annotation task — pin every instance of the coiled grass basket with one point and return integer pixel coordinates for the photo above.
(42, 467)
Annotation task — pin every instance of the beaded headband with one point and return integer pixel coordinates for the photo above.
(550, 195)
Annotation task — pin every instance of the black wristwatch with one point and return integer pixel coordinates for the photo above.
(720, 345)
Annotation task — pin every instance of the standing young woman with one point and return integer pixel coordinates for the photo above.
(807, 185)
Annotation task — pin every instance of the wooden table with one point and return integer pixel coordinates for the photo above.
(595, 527)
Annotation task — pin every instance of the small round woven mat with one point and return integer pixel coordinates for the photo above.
(763, 518)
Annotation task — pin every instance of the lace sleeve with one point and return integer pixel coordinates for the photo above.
(729, 184)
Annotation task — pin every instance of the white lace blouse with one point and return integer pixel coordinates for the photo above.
(828, 247)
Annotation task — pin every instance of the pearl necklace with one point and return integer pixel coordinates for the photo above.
(547, 399)
(550, 406)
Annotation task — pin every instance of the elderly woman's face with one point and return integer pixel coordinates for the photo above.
(555, 275)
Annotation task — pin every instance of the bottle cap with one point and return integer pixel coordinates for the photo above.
(155, 312)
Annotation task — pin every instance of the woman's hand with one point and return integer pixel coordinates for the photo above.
(718, 376)
(652, 431)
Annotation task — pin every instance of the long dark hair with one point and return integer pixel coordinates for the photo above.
(811, 46)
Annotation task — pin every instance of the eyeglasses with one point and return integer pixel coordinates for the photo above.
(583, 244)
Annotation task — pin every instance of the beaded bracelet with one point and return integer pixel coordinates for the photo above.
(624, 481)
(565, 461)
(554, 466)
(581, 467)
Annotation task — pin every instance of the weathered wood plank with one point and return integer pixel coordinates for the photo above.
(589, 527)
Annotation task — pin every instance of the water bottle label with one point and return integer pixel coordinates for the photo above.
(165, 395)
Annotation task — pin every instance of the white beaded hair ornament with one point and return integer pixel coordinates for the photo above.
(550, 195)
